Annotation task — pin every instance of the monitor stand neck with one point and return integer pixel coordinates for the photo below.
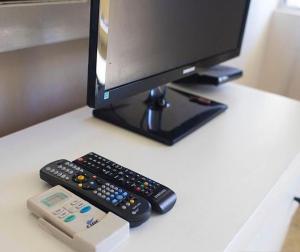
(157, 99)
(156, 103)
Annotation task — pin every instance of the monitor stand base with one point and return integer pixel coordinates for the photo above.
(165, 115)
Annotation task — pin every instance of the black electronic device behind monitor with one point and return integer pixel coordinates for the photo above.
(138, 46)
(215, 75)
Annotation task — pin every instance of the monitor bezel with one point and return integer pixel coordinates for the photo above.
(98, 97)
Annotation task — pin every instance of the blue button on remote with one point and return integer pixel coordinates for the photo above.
(85, 209)
(120, 197)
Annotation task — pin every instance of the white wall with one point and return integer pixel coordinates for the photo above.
(271, 51)
(29, 26)
(255, 41)
(280, 71)
(41, 75)
(41, 82)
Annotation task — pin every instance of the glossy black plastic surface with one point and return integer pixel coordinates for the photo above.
(162, 198)
(184, 114)
(215, 75)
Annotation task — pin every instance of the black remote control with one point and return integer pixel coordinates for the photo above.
(99, 192)
(161, 198)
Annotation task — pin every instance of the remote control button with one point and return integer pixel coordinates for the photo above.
(124, 207)
(80, 185)
(48, 168)
(120, 197)
(132, 201)
(128, 204)
(114, 201)
(79, 205)
(81, 178)
(70, 209)
(89, 186)
(63, 214)
(125, 194)
(70, 218)
(73, 203)
(107, 199)
(85, 209)
(58, 211)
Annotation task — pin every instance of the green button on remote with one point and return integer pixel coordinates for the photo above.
(70, 218)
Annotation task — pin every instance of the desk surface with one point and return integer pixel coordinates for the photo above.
(220, 173)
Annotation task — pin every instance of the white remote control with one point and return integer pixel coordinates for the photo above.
(76, 222)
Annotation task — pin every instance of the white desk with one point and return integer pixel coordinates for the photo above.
(221, 173)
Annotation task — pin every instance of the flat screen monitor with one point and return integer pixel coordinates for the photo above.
(141, 45)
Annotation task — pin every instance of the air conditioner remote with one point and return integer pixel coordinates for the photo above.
(76, 222)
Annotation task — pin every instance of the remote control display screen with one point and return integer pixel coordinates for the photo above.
(54, 199)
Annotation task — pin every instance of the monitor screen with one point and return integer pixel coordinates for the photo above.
(142, 38)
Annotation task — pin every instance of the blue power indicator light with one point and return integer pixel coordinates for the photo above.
(106, 95)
